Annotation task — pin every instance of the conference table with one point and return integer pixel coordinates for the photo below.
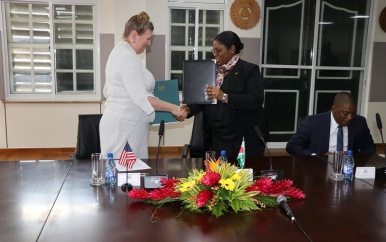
(51, 200)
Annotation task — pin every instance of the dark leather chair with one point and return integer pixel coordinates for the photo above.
(196, 147)
(300, 120)
(88, 140)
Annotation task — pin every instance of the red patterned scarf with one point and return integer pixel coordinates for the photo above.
(224, 69)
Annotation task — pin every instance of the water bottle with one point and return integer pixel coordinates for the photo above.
(348, 167)
(110, 179)
(223, 157)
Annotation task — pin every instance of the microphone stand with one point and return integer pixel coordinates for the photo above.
(156, 156)
(154, 181)
(282, 201)
(383, 145)
(275, 175)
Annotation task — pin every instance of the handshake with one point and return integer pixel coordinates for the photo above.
(181, 112)
(211, 92)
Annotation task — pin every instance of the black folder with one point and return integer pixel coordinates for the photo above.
(197, 74)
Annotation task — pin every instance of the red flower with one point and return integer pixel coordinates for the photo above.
(211, 178)
(157, 194)
(162, 193)
(203, 197)
(274, 189)
(138, 194)
(171, 182)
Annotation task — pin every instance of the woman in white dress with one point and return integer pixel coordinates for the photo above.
(130, 104)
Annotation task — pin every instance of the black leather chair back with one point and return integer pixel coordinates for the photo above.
(88, 140)
(197, 140)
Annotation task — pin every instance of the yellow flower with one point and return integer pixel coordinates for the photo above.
(199, 177)
(227, 184)
(235, 177)
(187, 186)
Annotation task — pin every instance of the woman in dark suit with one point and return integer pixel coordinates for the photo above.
(240, 96)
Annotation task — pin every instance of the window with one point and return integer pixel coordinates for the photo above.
(51, 50)
(311, 51)
(192, 31)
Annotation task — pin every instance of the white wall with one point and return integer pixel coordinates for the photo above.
(45, 125)
(107, 13)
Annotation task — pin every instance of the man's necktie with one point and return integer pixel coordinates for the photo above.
(339, 143)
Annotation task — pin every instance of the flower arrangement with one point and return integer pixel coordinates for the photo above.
(219, 189)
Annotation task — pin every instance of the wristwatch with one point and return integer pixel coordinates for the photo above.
(224, 97)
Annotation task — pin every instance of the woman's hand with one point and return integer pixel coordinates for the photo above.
(179, 113)
(214, 92)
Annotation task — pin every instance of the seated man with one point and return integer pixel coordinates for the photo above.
(318, 134)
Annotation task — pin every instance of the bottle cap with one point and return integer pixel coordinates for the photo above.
(109, 154)
(349, 152)
(223, 153)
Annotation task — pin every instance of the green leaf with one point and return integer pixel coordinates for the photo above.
(218, 210)
(244, 205)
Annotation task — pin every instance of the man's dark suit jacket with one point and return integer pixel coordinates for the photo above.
(313, 136)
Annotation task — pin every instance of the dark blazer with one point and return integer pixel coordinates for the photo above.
(230, 122)
(313, 136)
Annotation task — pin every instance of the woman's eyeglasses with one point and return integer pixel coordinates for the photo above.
(217, 51)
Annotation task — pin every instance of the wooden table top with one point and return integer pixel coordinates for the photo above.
(52, 201)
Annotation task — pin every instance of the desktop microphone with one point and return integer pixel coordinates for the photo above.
(380, 172)
(273, 174)
(282, 201)
(154, 181)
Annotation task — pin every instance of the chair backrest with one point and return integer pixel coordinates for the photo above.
(88, 140)
(197, 140)
(300, 120)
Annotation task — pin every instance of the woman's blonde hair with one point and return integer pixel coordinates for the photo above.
(139, 22)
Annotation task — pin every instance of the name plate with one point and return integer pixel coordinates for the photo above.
(249, 170)
(365, 172)
(125, 177)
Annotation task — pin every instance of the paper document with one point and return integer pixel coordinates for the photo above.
(138, 165)
(132, 178)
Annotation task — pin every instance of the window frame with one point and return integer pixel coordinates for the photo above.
(94, 95)
(313, 79)
(196, 8)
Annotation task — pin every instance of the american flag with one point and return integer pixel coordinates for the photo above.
(127, 158)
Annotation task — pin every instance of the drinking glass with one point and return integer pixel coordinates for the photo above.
(97, 170)
(337, 166)
(210, 155)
